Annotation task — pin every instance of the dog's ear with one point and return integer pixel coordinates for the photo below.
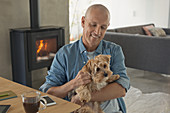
(105, 58)
(89, 66)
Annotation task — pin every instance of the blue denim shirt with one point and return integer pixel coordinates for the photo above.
(70, 59)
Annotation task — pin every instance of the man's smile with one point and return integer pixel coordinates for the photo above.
(95, 36)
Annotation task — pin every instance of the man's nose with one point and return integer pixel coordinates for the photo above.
(98, 30)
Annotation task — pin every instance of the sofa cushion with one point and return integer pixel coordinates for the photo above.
(157, 31)
(131, 30)
(146, 29)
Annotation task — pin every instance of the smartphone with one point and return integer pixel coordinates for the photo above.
(49, 100)
(4, 108)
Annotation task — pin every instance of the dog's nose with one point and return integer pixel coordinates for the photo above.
(105, 74)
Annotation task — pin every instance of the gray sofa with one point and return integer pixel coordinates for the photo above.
(143, 52)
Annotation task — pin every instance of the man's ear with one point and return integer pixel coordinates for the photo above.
(83, 21)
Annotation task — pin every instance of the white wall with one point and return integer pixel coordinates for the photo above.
(126, 12)
(135, 12)
(158, 12)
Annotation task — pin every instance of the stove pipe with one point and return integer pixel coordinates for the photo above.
(34, 14)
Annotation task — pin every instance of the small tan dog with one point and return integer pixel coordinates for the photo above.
(99, 69)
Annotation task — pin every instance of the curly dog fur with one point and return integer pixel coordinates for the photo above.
(101, 75)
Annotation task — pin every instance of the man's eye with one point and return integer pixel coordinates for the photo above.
(103, 27)
(104, 66)
(93, 25)
(98, 69)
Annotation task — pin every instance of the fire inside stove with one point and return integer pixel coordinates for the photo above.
(46, 49)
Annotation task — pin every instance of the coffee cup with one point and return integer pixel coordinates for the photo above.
(31, 102)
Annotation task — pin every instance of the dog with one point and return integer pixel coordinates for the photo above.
(101, 75)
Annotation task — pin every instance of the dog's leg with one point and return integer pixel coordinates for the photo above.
(85, 109)
(83, 93)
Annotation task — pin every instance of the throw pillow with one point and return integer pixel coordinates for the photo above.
(146, 29)
(157, 31)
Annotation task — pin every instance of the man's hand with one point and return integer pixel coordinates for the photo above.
(82, 78)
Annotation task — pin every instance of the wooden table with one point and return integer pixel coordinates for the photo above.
(62, 106)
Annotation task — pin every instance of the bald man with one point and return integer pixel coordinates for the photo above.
(64, 75)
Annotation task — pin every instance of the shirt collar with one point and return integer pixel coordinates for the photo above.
(82, 48)
(99, 48)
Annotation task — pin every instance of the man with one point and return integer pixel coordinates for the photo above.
(64, 74)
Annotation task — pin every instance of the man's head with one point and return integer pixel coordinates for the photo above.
(94, 23)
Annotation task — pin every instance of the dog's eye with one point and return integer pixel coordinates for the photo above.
(104, 66)
(98, 69)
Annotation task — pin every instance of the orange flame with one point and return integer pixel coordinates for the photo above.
(42, 46)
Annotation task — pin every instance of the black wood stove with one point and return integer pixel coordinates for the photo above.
(34, 47)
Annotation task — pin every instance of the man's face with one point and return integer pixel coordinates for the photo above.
(94, 28)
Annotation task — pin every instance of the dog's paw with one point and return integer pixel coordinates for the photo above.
(116, 77)
(113, 78)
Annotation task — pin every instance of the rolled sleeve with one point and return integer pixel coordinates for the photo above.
(124, 82)
(118, 67)
(45, 87)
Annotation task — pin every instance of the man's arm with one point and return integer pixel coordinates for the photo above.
(111, 91)
(62, 91)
